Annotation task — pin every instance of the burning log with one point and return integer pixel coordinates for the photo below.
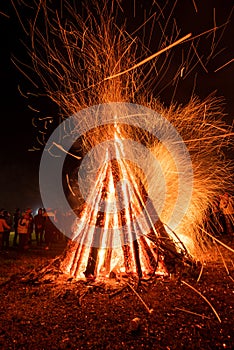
(144, 246)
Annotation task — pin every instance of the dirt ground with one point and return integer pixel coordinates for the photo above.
(80, 315)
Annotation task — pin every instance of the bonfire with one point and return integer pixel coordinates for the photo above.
(136, 210)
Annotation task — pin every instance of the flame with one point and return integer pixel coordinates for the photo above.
(118, 224)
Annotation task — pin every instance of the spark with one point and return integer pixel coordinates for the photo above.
(203, 297)
(140, 298)
(62, 149)
(192, 313)
(218, 241)
(182, 72)
(200, 274)
(224, 263)
(69, 186)
(224, 65)
(224, 136)
(34, 149)
(40, 142)
(209, 31)
(199, 58)
(33, 122)
(45, 118)
(213, 40)
(4, 14)
(24, 73)
(19, 17)
(151, 57)
(33, 109)
(222, 33)
(21, 93)
(195, 6)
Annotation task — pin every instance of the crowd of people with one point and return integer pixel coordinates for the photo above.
(220, 221)
(24, 225)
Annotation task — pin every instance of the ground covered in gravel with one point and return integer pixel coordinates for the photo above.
(158, 314)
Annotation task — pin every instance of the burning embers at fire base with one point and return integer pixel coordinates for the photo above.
(118, 232)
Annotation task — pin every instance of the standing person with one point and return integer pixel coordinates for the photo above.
(23, 227)
(30, 226)
(39, 222)
(3, 226)
(16, 218)
(7, 231)
(49, 228)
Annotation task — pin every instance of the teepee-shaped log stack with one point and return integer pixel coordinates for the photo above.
(118, 230)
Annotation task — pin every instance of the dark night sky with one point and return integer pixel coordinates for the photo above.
(19, 167)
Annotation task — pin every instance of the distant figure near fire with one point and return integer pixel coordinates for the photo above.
(3, 226)
(23, 227)
(39, 222)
